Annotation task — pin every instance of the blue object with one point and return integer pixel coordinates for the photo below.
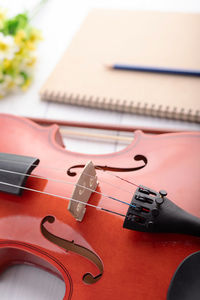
(162, 70)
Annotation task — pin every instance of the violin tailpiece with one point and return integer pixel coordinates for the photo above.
(151, 211)
(86, 184)
(14, 170)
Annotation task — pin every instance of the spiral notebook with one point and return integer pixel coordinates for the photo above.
(131, 37)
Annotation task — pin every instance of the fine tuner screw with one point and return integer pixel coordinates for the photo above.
(163, 193)
(160, 200)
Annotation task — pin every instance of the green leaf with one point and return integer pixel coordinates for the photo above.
(11, 26)
(24, 75)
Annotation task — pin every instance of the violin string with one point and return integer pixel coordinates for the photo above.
(100, 169)
(123, 179)
(63, 197)
(117, 176)
(109, 173)
(66, 182)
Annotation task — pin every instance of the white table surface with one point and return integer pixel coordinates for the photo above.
(59, 20)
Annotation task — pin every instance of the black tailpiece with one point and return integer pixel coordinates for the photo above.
(153, 212)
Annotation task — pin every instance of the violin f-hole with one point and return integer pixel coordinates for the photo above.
(138, 157)
(87, 278)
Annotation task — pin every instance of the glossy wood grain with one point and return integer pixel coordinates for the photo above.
(136, 265)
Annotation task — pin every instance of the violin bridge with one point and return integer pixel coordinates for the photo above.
(84, 187)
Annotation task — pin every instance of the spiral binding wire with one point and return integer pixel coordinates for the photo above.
(123, 106)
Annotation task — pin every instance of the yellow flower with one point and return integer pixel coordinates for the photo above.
(31, 61)
(6, 64)
(35, 36)
(30, 45)
(6, 85)
(2, 17)
(1, 76)
(26, 84)
(8, 48)
(17, 57)
(20, 37)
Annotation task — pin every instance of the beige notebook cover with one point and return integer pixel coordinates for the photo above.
(131, 37)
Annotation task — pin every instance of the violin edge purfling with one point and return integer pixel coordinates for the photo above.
(170, 164)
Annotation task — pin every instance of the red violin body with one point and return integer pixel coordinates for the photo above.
(37, 228)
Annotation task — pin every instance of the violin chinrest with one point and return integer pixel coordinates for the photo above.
(96, 256)
(185, 284)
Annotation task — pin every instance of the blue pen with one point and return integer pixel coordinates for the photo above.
(150, 69)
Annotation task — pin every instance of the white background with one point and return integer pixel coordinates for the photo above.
(59, 20)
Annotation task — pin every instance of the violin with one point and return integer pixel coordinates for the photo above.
(111, 226)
